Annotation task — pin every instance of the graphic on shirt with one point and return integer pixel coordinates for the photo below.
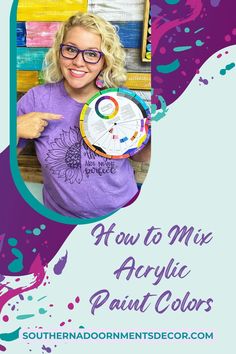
(115, 123)
(64, 158)
(71, 159)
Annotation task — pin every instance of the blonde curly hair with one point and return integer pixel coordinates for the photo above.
(114, 73)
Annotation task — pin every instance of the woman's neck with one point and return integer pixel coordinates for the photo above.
(81, 94)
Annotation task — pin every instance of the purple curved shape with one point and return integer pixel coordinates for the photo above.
(17, 216)
(204, 27)
(215, 3)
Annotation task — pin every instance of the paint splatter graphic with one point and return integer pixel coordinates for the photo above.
(47, 349)
(22, 241)
(9, 337)
(187, 33)
(60, 265)
(228, 67)
(39, 272)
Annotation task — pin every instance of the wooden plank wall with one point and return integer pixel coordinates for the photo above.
(37, 23)
(49, 10)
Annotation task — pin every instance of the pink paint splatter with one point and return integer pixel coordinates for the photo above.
(77, 299)
(158, 79)
(5, 318)
(163, 50)
(37, 269)
(70, 306)
(62, 324)
(2, 348)
(227, 38)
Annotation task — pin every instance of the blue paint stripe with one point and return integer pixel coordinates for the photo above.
(20, 34)
(130, 33)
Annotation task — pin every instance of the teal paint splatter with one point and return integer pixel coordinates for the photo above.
(227, 68)
(42, 311)
(172, 2)
(199, 43)
(158, 114)
(16, 265)
(42, 298)
(182, 49)
(24, 317)
(36, 232)
(168, 68)
(230, 66)
(222, 72)
(12, 241)
(8, 337)
(30, 298)
(187, 30)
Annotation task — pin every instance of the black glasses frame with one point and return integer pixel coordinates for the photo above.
(81, 51)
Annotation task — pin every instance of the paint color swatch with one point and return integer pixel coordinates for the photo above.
(115, 123)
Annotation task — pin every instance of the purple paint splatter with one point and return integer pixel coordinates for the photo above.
(59, 266)
(47, 349)
(204, 81)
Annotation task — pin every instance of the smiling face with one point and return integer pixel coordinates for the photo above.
(80, 77)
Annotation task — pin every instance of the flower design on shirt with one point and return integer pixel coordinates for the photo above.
(64, 158)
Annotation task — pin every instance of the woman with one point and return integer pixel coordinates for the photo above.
(77, 182)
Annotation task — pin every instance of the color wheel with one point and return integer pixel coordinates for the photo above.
(115, 123)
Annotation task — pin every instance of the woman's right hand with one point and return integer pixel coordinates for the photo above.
(31, 125)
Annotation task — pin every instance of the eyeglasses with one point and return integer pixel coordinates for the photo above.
(90, 56)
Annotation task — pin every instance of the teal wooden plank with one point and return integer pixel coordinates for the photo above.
(30, 58)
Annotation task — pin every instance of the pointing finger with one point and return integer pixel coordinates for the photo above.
(51, 116)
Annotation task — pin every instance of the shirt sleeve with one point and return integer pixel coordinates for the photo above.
(26, 104)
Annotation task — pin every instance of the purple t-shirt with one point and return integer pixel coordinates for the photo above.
(77, 182)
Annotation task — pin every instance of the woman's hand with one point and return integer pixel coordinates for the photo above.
(31, 125)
